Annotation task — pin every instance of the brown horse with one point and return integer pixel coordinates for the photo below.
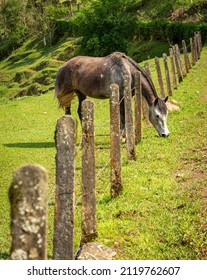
(92, 76)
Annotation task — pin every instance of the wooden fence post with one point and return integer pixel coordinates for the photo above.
(167, 75)
(173, 68)
(192, 47)
(199, 41)
(28, 198)
(186, 57)
(159, 77)
(138, 107)
(89, 231)
(180, 78)
(195, 47)
(130, 141)
(115, 142)
(180, 61)
(63, 247)
(198, 44)
(147, 69)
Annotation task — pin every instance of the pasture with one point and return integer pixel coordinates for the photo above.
(162, 211)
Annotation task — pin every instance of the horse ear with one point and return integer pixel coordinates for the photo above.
(165, 99)
(156, 101)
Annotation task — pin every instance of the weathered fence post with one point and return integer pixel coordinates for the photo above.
(138, 107)
(63, 243)
(199, 41)
(198, 44)
(173, 68)
(195, 47)
(180, 78)
(192, 47)
(28, 198)
(115, 142)
(180, 61)
(167, 75)
(186, 57)
(89, 231)
(147, 69)
(159, 77)
(130, 141)
(145, 107)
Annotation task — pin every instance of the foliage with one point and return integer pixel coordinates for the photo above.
(105, 26)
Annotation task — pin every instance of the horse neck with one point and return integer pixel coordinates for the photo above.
(148, 88)
(148, 92)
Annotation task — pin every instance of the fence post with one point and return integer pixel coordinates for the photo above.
(192, 47)
(195, 47)
(28, 198)
(180, 61)
(180, 78)
(198, 44)
(173, 68)
(167, 75)
(115, 142)
(159, 77)
(138, 107)
(147, 69)
(130, 141)
(199, 41)
(186, 57)
(89, 231)
(63, 242)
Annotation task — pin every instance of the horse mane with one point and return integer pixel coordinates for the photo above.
(134, 63)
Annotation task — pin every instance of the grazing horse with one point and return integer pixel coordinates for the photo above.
(92, 76)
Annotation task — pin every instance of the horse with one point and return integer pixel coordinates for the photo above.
(92, 76)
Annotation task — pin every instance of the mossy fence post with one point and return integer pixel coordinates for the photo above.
(167, 74)
(176, 55)
(138, 107)
(172, 61)
(159, 77)
(63, 243)
(186, 57)
(28, 198)
(115, 142)
(89, 231)
(130, 138)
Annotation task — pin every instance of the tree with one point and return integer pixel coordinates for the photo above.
(105, 26)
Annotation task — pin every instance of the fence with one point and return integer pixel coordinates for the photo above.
(28, 190)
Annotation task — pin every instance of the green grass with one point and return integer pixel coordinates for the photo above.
(160, 214)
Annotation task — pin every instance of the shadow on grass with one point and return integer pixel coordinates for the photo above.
(34, 145)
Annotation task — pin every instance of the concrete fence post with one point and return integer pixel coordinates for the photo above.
(159, 77)
(130, 140)
(28, 198)
(89, 231)
(172, 61)
(177, 64)
(167, 74)
(138, 107)
(115, 142)
(63, 243)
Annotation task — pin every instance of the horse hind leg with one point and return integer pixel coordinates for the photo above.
(67, 110)
(81, 98)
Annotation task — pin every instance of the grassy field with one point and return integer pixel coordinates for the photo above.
(162, 211)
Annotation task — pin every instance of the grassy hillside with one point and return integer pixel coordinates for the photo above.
(162, 211)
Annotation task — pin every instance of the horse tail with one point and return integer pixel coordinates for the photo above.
(62, 92)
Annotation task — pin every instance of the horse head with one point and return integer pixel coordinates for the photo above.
(158, 116)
